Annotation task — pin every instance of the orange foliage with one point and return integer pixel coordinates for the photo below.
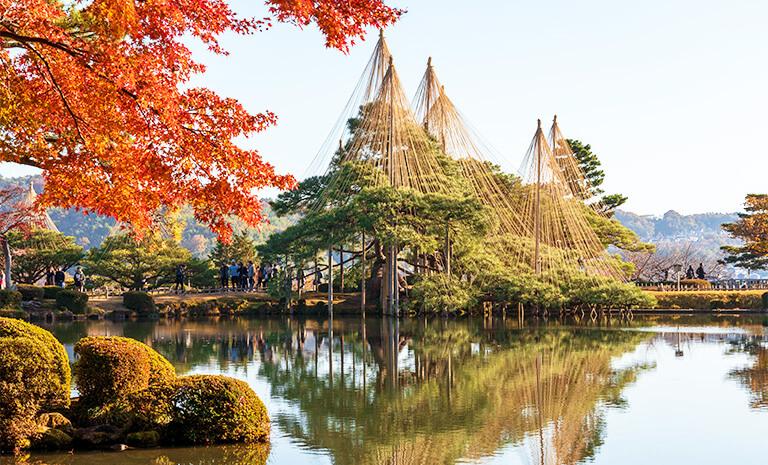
(98, 99)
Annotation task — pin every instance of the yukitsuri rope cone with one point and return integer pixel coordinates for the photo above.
(542, 223)
(555, 218)
(445, 124)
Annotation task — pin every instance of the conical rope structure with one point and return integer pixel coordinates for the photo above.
(382, 145)
(541, 223)
(560, 238)
(442, 120)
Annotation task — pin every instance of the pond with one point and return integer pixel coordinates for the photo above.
(684, 390)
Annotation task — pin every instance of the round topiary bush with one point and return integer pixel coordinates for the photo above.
(140, 302)
(74, 301)
(58, 394)
(10, 300)
(34, 377)
(112, 368)
(50, 292)
(29, 292)
(209, 409)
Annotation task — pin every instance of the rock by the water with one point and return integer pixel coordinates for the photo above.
(54, 420)
(52, 439)
(97, 436)
(143, 439)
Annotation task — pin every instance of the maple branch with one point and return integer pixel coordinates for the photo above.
(25, 40)
(59, 91)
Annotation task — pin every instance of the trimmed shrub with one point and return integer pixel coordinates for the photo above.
(74, 301)
(706, 300)
(605, 293)
(58, 395)
(696, 283)
(29, 292)
(442, 293)
(10, 300)
(216, 409)
(30, 382)
(112, 368)
(140, 302)
(764, 299)
(50, 292)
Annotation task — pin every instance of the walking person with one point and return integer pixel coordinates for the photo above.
(251, 274)
(267, 274)
(700, 272)
(59, 277)
(689, 273)
(49, 277)
(79, 277)
(224, 276)
(262, 276)
(234, 275)
(242, 271)
(180, 278)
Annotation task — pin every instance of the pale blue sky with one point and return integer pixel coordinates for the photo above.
(669, 93)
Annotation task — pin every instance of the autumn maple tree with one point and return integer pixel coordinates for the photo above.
(96, 94)
(752, 229)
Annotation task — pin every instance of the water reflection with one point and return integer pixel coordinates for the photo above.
(225, 455)
(382, 391)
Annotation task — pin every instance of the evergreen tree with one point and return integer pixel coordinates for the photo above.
(752, 229)
(39, 250)
(595, 176)
(136, 264)
(241, 249)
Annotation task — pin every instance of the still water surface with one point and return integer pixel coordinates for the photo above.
(686, 390)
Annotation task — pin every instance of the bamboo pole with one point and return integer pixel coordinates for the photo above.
(362, 279)
(537, 211)
(391, 281)
(330, 282)
(341, 268)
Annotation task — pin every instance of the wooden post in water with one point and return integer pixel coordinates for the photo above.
(341, 268)
(362, 279)
(447, 250)
(330, 282)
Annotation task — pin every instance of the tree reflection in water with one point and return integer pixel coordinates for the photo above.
(754, 377)
(252, 454)
(436, 392)
(383, 391)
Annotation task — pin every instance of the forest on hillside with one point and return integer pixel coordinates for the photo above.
(90, 230)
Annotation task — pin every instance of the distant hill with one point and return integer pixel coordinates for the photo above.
(90, 230)
(697, 237)
(703, 230)
(673, 226)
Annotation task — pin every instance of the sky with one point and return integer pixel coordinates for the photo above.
(670, 94)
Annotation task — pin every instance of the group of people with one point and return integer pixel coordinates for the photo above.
(57, 277)
(698, 274)
(246, 276)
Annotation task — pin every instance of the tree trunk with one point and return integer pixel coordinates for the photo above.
(8, 258)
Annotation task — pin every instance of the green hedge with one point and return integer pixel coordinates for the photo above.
(209, 409)
(112, 368)
(140, 302)
(10, 300)
(74, 301)
(34, 377)
(50, 292)
(29, 292)
(709, 300)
